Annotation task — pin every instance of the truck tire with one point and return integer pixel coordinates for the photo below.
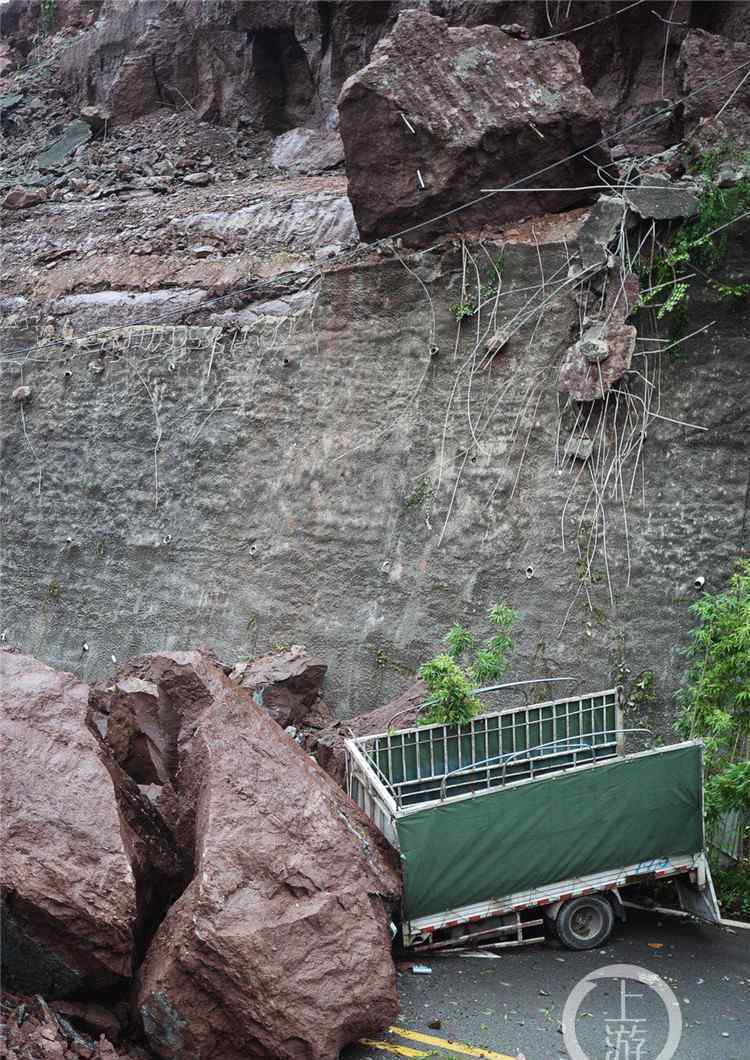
(585, 923)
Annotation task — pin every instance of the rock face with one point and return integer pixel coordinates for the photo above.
(286, 920)
(69, 894)
(262, 61)
(442, 114)
(707, 59)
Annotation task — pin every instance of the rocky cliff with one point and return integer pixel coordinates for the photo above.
(284, 435)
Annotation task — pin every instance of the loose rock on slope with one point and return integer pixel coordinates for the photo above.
(442, 114)
(400, 713)
(287, 685)
(69, 898)
(279, 947)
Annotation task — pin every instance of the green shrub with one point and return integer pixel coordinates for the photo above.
(716, 709)
(699, 243)
(451, 676)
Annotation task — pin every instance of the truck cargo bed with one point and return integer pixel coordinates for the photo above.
(528, 807)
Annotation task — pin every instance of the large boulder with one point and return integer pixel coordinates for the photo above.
(287, 685)
(280, 945)
(328, 745)
(441, 114)
(68, 891)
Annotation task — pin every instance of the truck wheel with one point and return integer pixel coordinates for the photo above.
(584, 923)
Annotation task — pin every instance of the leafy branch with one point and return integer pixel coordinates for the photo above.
(451, 676)
(716, 701)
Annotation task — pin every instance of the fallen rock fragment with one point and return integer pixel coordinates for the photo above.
(96, 118)
(288, 686)
(579, 447)
(401, 712)
(442, 114)
(97, 1018)
(35, 1030)
(68, 891)
(729, 176)
(600, 229)
(198, 179)
(286, 919)
(19, 198)
(604, 351)
(127, 716)
(659, 198)
(307, 150)
(8, 102)
(75, 135)
(594, 363)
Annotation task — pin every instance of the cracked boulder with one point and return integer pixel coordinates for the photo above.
(68, 890)
(287, 685)
(128, 718)
(280, 944)
(441, 114)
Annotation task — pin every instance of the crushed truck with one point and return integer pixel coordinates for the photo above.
(533, 818)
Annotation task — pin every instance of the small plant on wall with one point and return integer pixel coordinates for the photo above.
(452, 676)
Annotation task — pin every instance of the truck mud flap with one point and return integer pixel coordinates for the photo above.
(699, 901)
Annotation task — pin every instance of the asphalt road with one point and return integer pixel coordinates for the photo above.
(511, 1006)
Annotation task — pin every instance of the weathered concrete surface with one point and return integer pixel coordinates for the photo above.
(297, 497)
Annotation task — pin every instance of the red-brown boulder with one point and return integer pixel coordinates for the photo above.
(280, 945)
(68, 891)
(440, 114)
(287, 685)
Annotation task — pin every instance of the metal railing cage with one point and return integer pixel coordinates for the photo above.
(433, 762)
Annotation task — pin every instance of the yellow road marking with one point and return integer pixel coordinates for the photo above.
(389, 1047)
(446, 1043)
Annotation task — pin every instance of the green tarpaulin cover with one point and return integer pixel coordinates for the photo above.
(626, 811)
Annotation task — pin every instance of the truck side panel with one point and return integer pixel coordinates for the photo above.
(587, 820)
